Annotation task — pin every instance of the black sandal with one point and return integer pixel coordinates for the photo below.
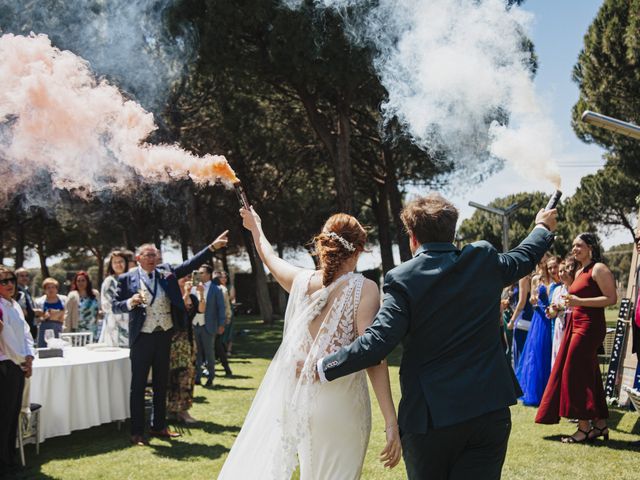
(573, 439)
(602, 432)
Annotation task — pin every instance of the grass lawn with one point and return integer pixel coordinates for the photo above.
(104, 453)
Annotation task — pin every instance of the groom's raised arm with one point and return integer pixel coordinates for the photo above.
(378, 340)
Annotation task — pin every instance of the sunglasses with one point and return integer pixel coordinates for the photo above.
(6, 281)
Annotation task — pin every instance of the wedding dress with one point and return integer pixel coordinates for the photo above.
(324, 427)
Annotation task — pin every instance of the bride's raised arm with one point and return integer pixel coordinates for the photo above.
(283, 271)
(379, 377)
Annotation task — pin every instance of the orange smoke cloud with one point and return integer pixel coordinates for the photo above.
(55, 115)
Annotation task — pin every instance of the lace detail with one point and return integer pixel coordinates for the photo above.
(292, 416)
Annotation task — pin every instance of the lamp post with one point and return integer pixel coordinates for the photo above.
(504, 214)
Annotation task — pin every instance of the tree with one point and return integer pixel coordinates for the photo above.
(603, 199)
(618, 259)
(609, 82)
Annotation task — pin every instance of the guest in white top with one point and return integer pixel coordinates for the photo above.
(16, 356)
(556, 309)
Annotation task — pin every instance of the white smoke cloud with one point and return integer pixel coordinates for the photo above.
(450, 67)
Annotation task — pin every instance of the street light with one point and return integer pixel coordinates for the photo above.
(504, 214)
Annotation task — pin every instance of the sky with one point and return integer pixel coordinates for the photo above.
(557, 33)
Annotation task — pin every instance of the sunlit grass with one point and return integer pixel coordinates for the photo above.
(104, 452)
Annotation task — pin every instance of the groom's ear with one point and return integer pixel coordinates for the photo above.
(413, 242)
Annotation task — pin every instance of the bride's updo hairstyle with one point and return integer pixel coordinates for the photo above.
(342, 237)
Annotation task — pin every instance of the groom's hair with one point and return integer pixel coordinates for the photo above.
(431, 218)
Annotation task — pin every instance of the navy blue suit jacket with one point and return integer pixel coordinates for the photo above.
(214, 310)
(129, 284)
(444, 306)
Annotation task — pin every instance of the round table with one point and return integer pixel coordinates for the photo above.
(82, 389)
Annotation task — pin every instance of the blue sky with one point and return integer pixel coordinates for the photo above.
(557, 32)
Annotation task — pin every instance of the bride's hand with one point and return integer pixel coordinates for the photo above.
(250, 219)
(392, 452)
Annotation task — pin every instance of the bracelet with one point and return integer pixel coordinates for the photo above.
(544, 225)
(389, 427)
(212, 248)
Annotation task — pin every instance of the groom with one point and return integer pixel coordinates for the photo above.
(444, 306)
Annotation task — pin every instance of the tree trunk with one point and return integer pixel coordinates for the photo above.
(337, 145)
(225, 260)
(343, 170)
(44, 270)
(381, 212)
(282, 294)
(20, 244)
(395, 201)
(184, 244)
(100, 260)
(260, 277)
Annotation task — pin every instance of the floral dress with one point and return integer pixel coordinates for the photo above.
(182, 370)
(88, 309)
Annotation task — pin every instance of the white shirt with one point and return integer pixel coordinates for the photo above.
(15, 334)
(199, 318)
(149, 279)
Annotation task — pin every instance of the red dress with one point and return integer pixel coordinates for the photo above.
(575, 386)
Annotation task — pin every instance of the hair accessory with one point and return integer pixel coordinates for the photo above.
(345, 243)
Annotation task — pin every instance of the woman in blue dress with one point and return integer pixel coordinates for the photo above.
(535, 362)
(520, 318)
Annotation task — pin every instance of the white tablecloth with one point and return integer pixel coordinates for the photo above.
(80, 390)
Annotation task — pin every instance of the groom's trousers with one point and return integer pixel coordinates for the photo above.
(474, 449)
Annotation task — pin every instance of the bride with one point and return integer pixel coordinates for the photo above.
(325, 427)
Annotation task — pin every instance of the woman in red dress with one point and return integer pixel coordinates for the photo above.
(575, 386)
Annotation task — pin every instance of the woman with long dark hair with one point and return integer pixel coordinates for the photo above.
(83, 306)
(575, 386)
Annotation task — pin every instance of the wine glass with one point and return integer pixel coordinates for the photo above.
(145, 297)
(49, 335)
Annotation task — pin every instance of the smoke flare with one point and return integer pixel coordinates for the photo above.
(55, 115)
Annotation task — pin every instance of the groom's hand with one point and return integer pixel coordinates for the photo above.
(548, 218)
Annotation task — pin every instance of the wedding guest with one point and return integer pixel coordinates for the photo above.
(635, 324)
(83, 306)
(220, 349)
(152, 297)
(229, 298)
(535, 362)
(26, 300)
(207, 325)
(115, 326)
(16, 356)
(183, 357)
(553, 267)
(556, 309)
(506, 334)
(575, 387)
(50, 310)
(520, 321)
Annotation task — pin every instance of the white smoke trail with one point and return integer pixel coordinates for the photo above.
(450, 67)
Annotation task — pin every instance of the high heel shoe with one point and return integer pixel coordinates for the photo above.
(573, 439)
(600, 432)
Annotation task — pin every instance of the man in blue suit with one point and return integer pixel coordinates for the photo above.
(208, 326)
(444, 306)
(150, 294)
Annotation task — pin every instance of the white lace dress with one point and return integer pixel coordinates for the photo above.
(324, 427)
